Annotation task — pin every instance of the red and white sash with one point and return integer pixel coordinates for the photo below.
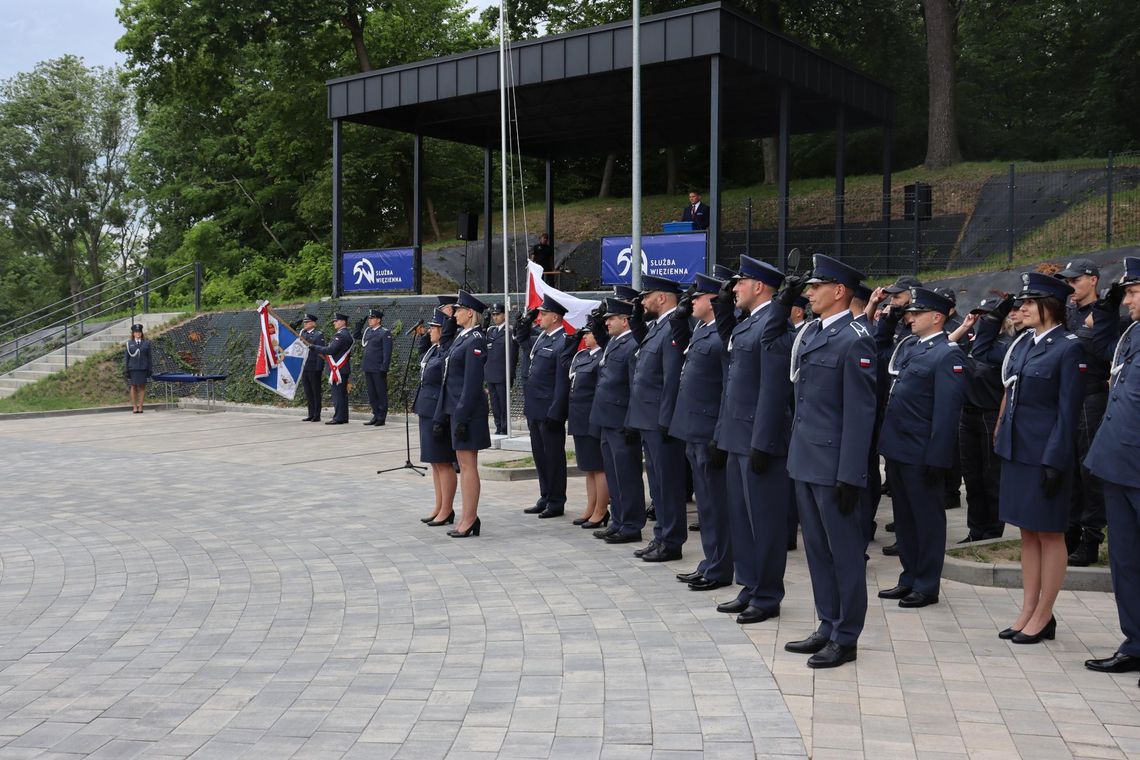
(335, 365)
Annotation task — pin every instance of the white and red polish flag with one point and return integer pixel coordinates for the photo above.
(280, 354)
(577, 309)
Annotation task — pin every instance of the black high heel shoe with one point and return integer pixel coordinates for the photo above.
(581, 520)
(1048, 632)
(587, 525)
(429, 518)
(449, 520)
(472, 531)
(1008, 633)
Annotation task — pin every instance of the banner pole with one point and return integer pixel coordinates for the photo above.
(503, 186)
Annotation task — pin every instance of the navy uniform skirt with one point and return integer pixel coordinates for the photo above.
(431, 450)
(136, 377)
(1023, 501)
(478, 432)
(588, 453)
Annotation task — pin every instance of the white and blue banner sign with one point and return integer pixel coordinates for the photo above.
(386, 269)
(675, 257)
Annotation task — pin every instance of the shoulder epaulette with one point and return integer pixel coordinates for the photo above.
(1070, 336)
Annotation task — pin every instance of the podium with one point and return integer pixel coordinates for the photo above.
(674, 227)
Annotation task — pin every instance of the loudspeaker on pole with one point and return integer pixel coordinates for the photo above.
(467, 228)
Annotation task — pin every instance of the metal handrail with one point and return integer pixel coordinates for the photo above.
(64, 302)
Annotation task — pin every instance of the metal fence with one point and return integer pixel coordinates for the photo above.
(1029, 212)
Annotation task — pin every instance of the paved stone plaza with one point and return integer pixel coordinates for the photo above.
(229, 585)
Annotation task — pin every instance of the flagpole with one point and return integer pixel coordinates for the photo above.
(635, 242)
(503, 189)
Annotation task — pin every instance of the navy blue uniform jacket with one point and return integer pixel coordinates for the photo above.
(463, 396)
(547, 392)
(656, 376)
(925, 403)
(1115, 452)
(499, 345)
(742, 382)
(611, 397)
(702, 381)
(583, 385)
(313, 360)
(340, 345)
(377, 348)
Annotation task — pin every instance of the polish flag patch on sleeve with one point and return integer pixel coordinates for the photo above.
(958, 369)
(865, 363)
(477, 351)
(1082, 367)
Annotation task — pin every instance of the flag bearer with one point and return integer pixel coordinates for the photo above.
(338, 357)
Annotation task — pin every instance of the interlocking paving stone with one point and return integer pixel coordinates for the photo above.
(234, 585)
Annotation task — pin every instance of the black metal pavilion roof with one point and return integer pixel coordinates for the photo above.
(573, 90)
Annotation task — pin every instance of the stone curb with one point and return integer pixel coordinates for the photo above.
(1008, 575)
(512, 474)
(200, 405)
(76, 412)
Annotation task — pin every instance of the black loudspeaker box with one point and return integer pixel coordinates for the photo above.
(467, 228)
(922, 194)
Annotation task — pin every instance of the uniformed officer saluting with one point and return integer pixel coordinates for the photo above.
(920, 428)
(1114, 458)
(545, 404)
(313, 368)
(754, 435)
(377, 343)
(833, 368)
(621, 447)
(656, 376)
(694, 422)
(338, 357)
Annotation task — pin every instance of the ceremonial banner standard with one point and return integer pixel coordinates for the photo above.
(675, 257)
(381, 269)
(280, 354)
(577, 309)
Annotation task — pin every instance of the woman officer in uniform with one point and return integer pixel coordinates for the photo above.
(433, 344)
(462, 409)
(587, 438)
(137, 367)
(1035, 439)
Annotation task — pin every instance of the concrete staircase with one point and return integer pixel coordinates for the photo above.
(48, 364)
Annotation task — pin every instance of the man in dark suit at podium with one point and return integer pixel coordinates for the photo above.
(696, 212)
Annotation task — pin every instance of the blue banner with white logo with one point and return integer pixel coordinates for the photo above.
(675, 257)
(381, 269)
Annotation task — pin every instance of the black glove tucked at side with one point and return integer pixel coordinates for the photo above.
(1051, 480)
(630, 435)
(438, 431)
(759, 461)
(848, 496)
(932, 474)
(461, 431)
(718, 457)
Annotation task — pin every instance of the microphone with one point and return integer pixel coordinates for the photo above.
(414, 327)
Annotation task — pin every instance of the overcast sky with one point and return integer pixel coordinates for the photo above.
(37, 30)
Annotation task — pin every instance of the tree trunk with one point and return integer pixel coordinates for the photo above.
(607, 176)
(431, 218)
(941, 35)
(671, 170)
(770, 152)
(352, 22)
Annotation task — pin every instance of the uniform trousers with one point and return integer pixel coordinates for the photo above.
(377, 383)
(1087, 518)
(712, 512)
(548, 447)
(920, 526)
(498, 394)
(758, 517)
(1123, 507)
(672, 488)
(311, 384)
(339, 393)
(981, 472)
(623, 477)
(835, 545)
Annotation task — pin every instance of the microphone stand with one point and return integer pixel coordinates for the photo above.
(407, 465)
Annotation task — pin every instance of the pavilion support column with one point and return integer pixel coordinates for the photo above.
(337, 179)
(840, 177)
(887, 192)
(714, 163)
(488, 248)
(417, 210)
(550, 201)
(783, 169)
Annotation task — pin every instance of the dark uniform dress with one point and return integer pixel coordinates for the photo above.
(1114, 457)
(137, 365)
(501, 349)
(694, 422)
(463, 401)
(311, 372)
(377, 358)
(583, 383)
(834, 366)
(339, 349)
(622, 459)
(656, 376)
(432, 358)
(918, 439)
(1038, 428)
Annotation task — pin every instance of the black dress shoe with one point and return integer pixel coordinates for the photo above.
(535, 510)
(1118, 663)
(968, 539)
(624, 538)
(379, 423)
(646, 549)
(1048, 632)
(756, 615)
(890, 527)
(892, 550)
(449, 520)
(307, 419)
(690, 577)
(918, 599)
(589, 525)
(833, 655)
(793, 545)
(606, 532)
(550, 513)
(1007, 633)
(370, 422)
(337, 422)
(580, 520)
(662, 554)
(651, 514)
(704, 584)
(429, 518)
(695, 527)
(735, 607)
(898, 592)
(812, 644)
